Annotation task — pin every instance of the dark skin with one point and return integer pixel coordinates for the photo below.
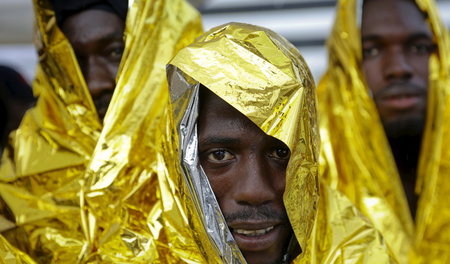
(96, 37)
(246, 169)
(397, 44)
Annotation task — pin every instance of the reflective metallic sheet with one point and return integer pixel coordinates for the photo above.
(10, 255)
(52, 175)
(265, 78)
(356, 158)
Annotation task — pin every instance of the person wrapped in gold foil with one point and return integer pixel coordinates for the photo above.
(46, 165)
(242, 164)
(384, 122)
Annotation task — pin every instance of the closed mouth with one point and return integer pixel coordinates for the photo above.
(401, 97)
(402, 102)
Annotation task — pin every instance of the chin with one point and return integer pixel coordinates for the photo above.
(405, 126)
(262, 259)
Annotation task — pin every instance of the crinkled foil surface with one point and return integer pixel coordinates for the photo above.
(356, 158)
(74, 190)
(265, 78)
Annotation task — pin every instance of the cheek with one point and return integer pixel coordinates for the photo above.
(112, 66)
(278, 179)
(221, 185)
(280, 184)
(373, 74)
(421, 68)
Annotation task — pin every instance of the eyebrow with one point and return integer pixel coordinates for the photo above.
(112, 36)
(415, 36)
(218, 141)
(419, 36)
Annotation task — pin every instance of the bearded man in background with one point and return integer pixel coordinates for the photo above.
(384, 122)
(95, 68)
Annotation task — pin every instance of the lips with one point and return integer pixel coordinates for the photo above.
(402, 101)
(401, 97)
(254, 233)
(256, 236)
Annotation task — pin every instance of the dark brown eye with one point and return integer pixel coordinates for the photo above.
(116, 53)
(422, 48)
(281, 153)
(370, 52)
(220, 155)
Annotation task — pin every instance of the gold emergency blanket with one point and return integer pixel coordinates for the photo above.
(43, 173)
(264, 77)
(356, 158)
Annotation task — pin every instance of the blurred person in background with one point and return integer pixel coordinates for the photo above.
(98, 61)
(385, 115)
(16, 97)
(95, 30)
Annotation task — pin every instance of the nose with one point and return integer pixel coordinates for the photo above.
(255, 186)
(397, 66)
(99, 78)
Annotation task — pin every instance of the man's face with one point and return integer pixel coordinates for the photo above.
(397, 44)
(96, 37)
(246, 169)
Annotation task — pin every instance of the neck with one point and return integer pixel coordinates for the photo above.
(406, 151)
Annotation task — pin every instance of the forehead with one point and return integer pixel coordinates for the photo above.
(92, 24)
(217, 117)
(392, 17)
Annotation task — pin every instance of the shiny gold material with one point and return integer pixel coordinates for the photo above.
(10, 255)
(263, 76)
(43, 176)
(356, 158)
